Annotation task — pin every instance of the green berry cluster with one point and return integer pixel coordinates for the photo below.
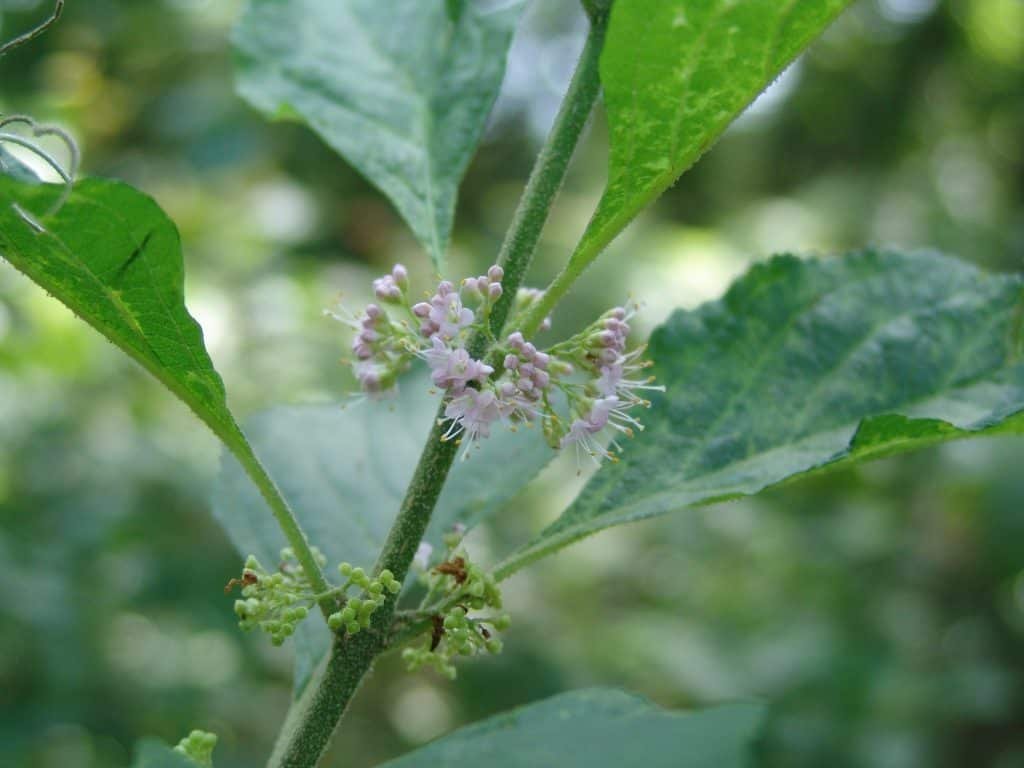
(454, 589)
(198, 747)
(357, 611)
(274, 602)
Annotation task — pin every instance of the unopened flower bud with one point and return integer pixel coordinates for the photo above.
(400, 275)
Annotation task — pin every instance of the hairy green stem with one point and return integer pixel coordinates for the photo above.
(310, 727)
(548, 174)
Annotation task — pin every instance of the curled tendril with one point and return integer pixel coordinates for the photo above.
(36, 31)
(37, 131)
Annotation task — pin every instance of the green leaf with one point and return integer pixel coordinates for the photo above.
(345, 471)
(675, 73)
(597, 728)
(806, 365)
(155, 754)
(114, 258)
(401, 89)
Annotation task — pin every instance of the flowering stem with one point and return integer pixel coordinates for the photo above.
(315, 716)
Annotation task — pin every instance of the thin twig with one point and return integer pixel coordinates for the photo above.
(35, 32)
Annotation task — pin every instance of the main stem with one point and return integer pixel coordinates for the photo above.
(309, 729)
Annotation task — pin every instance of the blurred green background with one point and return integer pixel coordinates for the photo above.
(880, 610)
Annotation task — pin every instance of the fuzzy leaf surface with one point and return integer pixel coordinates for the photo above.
(597, 728)
(807, 365)
(401, 89)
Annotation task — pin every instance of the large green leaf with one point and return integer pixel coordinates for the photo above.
(401, 89)
(114, 258)
(811, 364)
(597, 728)
(345, 471)
(675, 73)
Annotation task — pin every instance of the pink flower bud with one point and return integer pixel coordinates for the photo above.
(496, 273)
(422, 309)
(494, 291)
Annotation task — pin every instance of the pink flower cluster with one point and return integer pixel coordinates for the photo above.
(593, 370)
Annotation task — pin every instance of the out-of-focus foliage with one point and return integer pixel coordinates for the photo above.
(880, 610)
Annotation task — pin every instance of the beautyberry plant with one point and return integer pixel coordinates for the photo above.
(593, 371)
(843, 359)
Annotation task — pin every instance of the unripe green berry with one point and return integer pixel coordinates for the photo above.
(347, 614)
(345, 569)
(353, 627)
(335, 621)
